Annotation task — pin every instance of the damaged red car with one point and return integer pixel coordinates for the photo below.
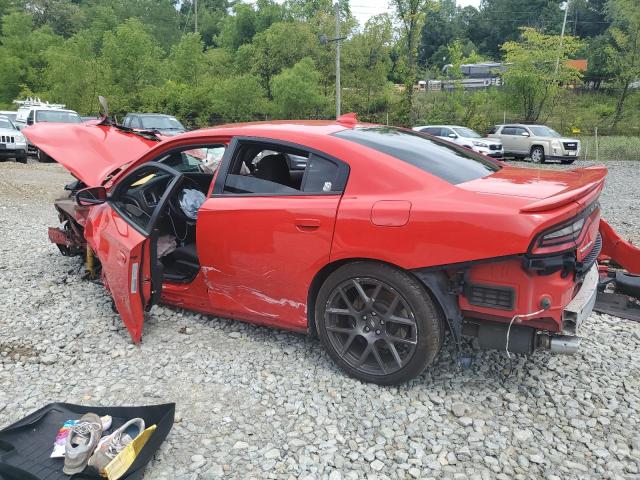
(377, 239)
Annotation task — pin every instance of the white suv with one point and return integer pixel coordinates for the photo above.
(465, 137)
(33, 111)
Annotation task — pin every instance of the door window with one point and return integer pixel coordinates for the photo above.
(433, 131)
(273, 169)
(520, 131)
(508, 131)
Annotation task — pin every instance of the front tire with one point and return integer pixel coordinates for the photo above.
(378, 323)
(43, 157)
(537, 155)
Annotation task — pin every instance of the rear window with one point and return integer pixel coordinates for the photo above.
(442, 159)
(57, 116)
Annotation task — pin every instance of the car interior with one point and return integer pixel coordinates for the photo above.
(262, 168)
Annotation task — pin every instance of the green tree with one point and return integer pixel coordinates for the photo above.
(281, 46)
(133, 61)
(366, 64)
(624, 53)
(531, 78)
(296, 91)
(22, 55)
(186, 62)
(411, 14)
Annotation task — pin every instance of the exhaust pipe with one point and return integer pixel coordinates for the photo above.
(564, 344)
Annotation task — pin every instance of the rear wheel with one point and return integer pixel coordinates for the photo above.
(378, 323)
(537, 155)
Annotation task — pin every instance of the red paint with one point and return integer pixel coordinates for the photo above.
(259, 255)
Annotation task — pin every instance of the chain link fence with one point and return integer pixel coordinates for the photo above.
(601, 148)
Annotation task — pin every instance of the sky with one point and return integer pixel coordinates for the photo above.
(364, 9)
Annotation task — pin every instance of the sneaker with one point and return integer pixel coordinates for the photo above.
(81, 442)
(111, 445)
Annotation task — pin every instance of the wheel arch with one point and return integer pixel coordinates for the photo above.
(543, 145)
(434, 284)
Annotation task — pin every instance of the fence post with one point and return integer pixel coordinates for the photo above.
(597, 159)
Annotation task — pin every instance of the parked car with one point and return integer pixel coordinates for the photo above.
(10, 114)
(466, 137)
(387, 239)
(167, 125)
(538, 142)
(32, 112)
(12, 142)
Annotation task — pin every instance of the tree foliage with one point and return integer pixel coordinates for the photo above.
(538, 69)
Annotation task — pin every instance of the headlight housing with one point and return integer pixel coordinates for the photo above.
(556, 144)
(479, 144)
(19, 138)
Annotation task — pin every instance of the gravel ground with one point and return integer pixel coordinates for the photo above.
(259, 403)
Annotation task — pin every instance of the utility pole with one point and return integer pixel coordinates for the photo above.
(337, 8)
(195, 9)
(564, 24)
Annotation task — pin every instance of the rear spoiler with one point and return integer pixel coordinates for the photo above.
(593, 178)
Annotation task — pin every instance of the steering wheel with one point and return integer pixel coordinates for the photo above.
(174, 201)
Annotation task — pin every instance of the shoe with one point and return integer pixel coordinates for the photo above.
(111, 445)
(81, 442)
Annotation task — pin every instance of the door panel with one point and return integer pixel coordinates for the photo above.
(125, 244)
(259, 254)
(124, 255)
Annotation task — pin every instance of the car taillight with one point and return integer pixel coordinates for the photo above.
(564, 236)
(568, 234)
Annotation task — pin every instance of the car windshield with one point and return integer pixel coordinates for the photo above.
(544, 132)
(57, 116)
(437, 157)
(466, 132)
(160, 122)
(6, 123)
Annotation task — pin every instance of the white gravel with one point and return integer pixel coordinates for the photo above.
(259, 403)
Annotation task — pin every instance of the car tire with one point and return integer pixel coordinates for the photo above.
(387, 339)
(21, 159)
(537, 154)
(43, 157)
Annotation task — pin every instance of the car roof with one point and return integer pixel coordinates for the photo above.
(148, 114)
(36, 107)
(308, 127)
(448, 126)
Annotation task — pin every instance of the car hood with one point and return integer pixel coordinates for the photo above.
(9, 131)
(88, 150)
(537, 183)
(559, 139)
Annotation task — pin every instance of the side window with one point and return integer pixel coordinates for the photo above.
(30, 117)
(492, 130)
(519, 131)
(270, 169)
(446, 132)
(432, 131)
(508, 131)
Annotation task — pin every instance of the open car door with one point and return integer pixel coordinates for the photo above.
(123, 233)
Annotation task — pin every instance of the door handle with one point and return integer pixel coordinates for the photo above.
(307, 224)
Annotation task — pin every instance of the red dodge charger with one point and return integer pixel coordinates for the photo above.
(377, 239)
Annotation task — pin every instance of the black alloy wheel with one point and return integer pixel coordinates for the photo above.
(378, 323)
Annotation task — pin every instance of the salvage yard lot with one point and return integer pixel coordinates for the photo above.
(257, 403)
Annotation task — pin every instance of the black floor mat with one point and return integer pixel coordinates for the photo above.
(26, 445)
(618, 305)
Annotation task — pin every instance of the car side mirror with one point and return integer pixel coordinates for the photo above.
(525, 134)
(29, 121)
(88, 197)
(452, 135)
